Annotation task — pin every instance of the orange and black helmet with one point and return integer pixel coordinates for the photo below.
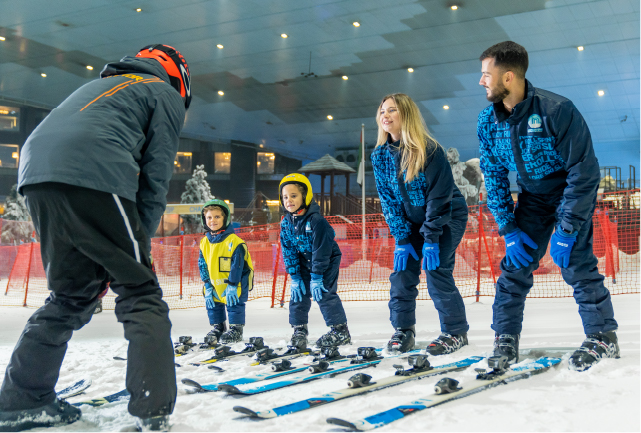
(175, 65)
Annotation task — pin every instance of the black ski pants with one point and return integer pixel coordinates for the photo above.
(87, 237)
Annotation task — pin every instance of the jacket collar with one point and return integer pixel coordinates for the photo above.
(520, 110)
(297, 220)
(219, 236)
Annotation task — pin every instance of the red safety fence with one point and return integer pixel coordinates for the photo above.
(366, 261)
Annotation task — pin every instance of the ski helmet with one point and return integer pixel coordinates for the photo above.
(221, 204)
(175, 66)
(298, 179)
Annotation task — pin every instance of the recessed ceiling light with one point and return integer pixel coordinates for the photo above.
(43, 75)
(580, 48)
(356, 24)
(2, 38)
(600, 93)
(284, 35)
(138, 10)
(260, 145)
(330, 117)
(221, 93)
(454, 7)
(410, 69)
(220, 46)
(446, 107)
(90, 67)
(345, 77)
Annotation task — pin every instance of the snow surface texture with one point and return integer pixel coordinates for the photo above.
(604, 398)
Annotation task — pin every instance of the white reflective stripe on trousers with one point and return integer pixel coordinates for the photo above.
(131, 233)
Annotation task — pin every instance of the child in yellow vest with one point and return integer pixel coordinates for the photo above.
(227, 271)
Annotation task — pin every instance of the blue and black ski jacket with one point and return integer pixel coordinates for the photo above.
(308, 243)
(547, 142)
(430, 200)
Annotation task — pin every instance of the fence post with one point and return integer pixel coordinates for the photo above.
(182, 239)
(276, 263)
(26, 289)
(282, 298)
(478, 266)
(487, 250)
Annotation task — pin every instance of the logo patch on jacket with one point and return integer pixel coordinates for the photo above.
(534, 122)
(308, 227)
(231, 244)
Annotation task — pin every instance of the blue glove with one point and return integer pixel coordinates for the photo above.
(231, 293)
(400, 256)
(297, 288)
(317, 287)
(515, 253)
(431, 259)
(561, 247)
(210, 293)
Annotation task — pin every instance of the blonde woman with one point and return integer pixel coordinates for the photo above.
(427, 215)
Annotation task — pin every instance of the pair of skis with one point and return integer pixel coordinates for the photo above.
(447, 390)
(367, 356)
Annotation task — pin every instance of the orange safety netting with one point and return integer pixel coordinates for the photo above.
(365, 266)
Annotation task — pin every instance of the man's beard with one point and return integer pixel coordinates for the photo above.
(498, 94)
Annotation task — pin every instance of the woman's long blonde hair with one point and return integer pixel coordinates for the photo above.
(416, 144)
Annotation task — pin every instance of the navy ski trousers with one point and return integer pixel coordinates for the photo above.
(89, 237)
(330, 304)
(536, 216)
(236, 313)
(440, 283)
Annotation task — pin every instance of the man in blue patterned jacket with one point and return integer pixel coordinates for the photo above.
(544, 138)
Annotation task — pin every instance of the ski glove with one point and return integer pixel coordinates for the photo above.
(297, 288)
(431, 259)
(561, 247)
(210, 294)
(317, 287)
(231, 295)
(515, 253)
(400, 256)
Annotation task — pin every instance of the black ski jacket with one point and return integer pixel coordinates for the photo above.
(117, 134)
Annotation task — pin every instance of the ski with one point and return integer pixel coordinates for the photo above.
(448, 390)
(73, 390)
(283, 367)
(224, 352)
(119, 396)
(360, 383)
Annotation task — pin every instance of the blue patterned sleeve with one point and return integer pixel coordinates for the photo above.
(391, 204)
(497, 184)
(204, 271)
(288, 247)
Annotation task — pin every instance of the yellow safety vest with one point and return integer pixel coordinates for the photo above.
(218, 259)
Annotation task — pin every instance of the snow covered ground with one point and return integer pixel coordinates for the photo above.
(605, 398)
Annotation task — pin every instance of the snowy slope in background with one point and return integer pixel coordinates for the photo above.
(605, 398)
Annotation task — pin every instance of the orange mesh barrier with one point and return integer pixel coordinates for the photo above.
(365, 265)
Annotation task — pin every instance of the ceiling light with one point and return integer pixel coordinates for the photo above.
(90, 67)
(454, 7)
(410, 69)
(43, 75)
(138, 10)
(14, 155)
(356, 24)
(345, 77)
(284, 35)
(600, 93)
(220, 46)
(2, 38)
(221, 93)
(260, 145)
(579, 48)
(446, 107)
(330, 117)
